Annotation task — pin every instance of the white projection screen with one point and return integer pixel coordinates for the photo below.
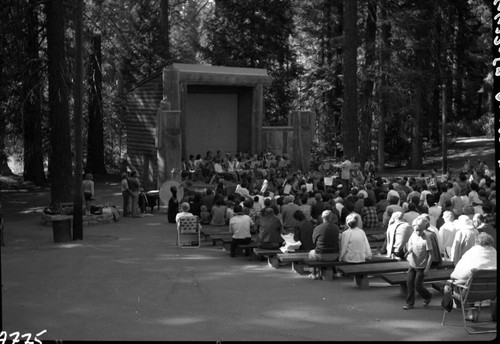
(211, 123)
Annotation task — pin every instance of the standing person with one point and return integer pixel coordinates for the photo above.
(354, 245)
(134, 186)
(345, 174)
(419, 256)
(173, 205)
(125, 195)
(88, 191)
(326, 239)
(240, 225)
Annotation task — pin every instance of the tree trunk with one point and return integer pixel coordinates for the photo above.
(350, 113)
(365, 140)
(95, 146)
(32, 98)
(384, 62)
(165, 29)
(60, 157)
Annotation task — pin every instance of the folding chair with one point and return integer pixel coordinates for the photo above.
(481, 287)
(189, 227)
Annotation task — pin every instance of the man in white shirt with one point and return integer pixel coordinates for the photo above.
(240, 225)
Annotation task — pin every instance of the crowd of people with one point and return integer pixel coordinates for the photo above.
(331, 210)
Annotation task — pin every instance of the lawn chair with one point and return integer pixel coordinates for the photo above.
(481, 287)
(189, 227)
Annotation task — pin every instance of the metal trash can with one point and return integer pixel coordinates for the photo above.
(62, 229)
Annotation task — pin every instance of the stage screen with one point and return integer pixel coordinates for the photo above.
(211, 123)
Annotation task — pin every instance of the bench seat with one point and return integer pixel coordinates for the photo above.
(296, 258)
(319, 266)
(222, 237)
(270, 254)
(400, 278)
(208, 232)
(361, 271)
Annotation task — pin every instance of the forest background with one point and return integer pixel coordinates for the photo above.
(379, 75)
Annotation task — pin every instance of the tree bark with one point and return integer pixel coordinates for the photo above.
(350, 113)
(384, 62)
(366, 120)
(95, 146)
(165, 29)
(32, 98)
(60, 170)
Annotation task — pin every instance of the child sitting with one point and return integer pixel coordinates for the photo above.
(204, 215)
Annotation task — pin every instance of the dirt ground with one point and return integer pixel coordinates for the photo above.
(129, 281)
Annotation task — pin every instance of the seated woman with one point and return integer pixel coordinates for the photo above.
(269, 228)
(219, 212)
(354, 245)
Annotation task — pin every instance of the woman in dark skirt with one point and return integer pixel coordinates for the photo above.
(173, 205)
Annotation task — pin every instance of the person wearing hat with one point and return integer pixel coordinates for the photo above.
(464, 238)
(326, 240)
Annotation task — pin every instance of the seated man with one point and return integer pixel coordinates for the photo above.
(325, 240)
(240, 225)
(480, 256)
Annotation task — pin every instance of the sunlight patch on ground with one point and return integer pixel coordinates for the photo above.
(180, 321)
(69, 245)
(190, 257)
(281, 318)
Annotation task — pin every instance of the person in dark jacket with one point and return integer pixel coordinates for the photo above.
(303, 231)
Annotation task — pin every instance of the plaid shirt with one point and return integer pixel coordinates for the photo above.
(369, 217)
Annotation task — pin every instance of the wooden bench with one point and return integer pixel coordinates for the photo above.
(210, 231)
(322, 269)
(400, 278)
(361, 271)
(247, 247)
(296, 258)
(224, 238)
(271, 255)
